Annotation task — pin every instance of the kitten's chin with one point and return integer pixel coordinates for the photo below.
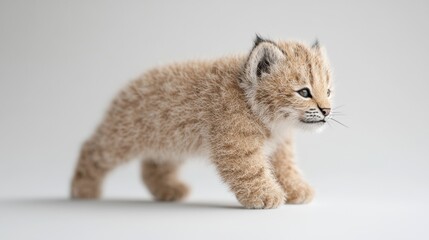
(311, 126)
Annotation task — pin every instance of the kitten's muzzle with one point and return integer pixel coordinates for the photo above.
(317, 121)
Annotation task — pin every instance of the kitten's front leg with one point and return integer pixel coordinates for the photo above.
(240, 162)
(289, 176)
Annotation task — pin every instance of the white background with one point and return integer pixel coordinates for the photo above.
(61, 62)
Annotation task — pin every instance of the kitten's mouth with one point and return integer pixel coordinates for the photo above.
(312, 122)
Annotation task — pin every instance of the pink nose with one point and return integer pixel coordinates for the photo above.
(325, 111)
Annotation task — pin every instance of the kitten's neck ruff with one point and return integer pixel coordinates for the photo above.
(280, 131)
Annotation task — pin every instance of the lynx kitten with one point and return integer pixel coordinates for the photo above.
(237, 111)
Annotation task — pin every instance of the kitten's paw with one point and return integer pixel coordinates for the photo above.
(85, 189)
(300, 193)
(271, 198)
(171, 192)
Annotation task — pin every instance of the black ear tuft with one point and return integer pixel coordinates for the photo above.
(316, 44)
(258, 40)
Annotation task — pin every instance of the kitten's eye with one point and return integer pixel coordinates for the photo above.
(305, 92)
(329, 92)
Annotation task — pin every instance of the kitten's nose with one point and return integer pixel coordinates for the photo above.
(325, 111)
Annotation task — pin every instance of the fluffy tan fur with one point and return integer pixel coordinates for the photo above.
(238, 111)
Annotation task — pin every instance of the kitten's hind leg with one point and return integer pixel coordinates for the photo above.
(162, 180)
(95, 161)
(89, 173)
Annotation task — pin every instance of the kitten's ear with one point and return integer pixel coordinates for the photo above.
(263, 58)
(318, 48)
(316, 45)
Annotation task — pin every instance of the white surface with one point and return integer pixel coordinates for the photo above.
(62, 61)
(137, 219)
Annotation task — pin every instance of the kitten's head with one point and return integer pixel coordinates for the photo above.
(288, 82)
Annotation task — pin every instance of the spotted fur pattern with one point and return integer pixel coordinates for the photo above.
(238, 111)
